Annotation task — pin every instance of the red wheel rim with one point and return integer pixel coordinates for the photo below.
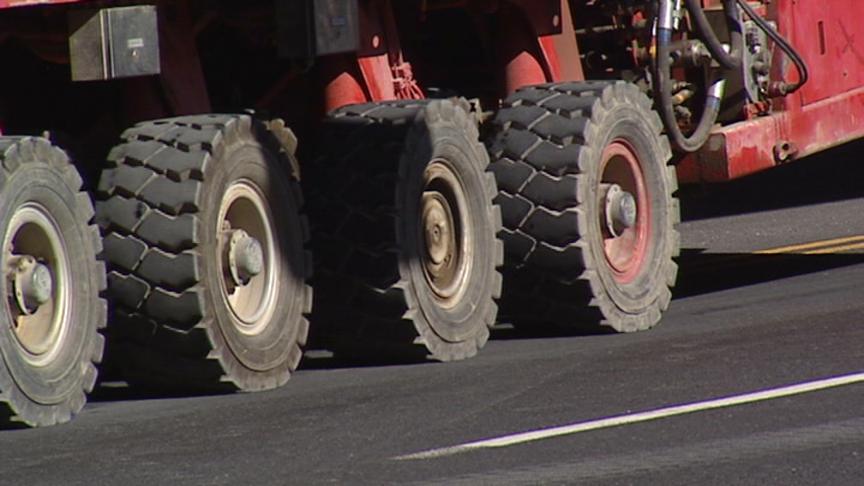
(626, 253)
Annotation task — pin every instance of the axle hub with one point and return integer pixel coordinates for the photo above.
(620, 211)
(245, 257)
(33, 284)
(440, 238)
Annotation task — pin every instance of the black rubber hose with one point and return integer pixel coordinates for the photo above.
(729, 60)
(803, 72)
(663, 93)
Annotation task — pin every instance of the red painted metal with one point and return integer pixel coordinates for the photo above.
(536, 44)
(27, 3)
(522, 69)
(388, 73)
(752, 146)
(830, 36)
(828, 111)
(562, 50)
(379, 71)
(521, 49)
(378, 77)
(343, 83)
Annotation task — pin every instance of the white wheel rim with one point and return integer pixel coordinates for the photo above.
(252, 305)
(39, 334)
(446, 233)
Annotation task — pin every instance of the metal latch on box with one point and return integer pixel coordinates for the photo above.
(113, 43)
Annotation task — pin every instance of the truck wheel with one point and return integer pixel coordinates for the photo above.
(406, 232)
(588, 203)
(52, 310)
(206, 251)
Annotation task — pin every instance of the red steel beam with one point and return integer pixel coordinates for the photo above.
(762, 143)
(26, 3)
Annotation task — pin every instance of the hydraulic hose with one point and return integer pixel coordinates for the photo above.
(733, 58)
(783, 88)
(663, 90)
(730, 60)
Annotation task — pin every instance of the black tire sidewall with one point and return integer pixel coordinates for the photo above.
(60, 379)
(257, 165)
(633, 125)
(447, 141)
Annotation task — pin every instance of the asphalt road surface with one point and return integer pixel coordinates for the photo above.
(745, 326)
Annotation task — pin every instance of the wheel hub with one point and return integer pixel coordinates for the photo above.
(245, 257)
(248, 262)
(620, 212)
(438, 225)
(37, 274)
(625, 211)
(446, 253)
(33, 284)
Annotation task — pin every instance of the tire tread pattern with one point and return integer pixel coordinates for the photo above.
(26, 153)
(541, 141)
(150, 200)
(364, 306)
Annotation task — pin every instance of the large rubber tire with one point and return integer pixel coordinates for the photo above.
(384, 166)
(175, 187)
(49, 346)
(552, 148)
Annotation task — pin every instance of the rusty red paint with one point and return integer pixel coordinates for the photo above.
(748, 147)
(827, 112)
(841, 67)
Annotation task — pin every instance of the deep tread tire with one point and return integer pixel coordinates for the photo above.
(373, 300)
(547, 149)
(46, 388)
(172, 324)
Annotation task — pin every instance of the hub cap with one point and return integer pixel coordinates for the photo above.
(247, 258)
(625, 211)
(446, 255)
(620, 210)
(36, 269)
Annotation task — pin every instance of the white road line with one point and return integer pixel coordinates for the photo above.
(548, 433)
(640, 466)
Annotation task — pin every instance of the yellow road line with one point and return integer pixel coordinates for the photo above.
(826, 246)
(835, 249)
